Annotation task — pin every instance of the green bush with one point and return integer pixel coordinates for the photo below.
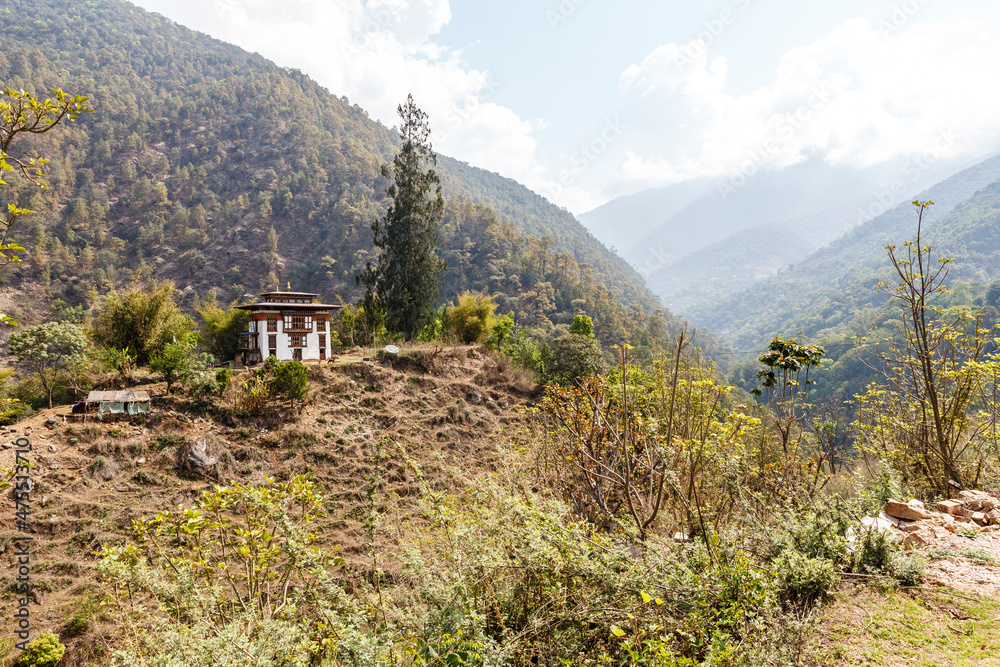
(31, 393)
(874, 552)
(77, 624)
(571, 357)
(143, 320)
(176, 363)
(290, 380)
(168, 440)
(472, 317)
(45, 651)
(803, 580)
(909, 570)
(819, 531)
(222, 329)
(582, 326)
(501, 332)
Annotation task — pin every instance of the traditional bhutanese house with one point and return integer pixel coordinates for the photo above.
(127, 402)
(286, 326)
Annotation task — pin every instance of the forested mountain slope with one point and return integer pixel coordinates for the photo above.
(830, 290)
(197, 150)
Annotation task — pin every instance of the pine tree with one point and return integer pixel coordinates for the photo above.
(403, 283)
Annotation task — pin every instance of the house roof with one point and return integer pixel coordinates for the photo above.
(266, 294)
(281, 305)
(126, 396)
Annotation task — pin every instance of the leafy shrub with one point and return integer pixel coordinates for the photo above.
(909, 570)
(45, 651)
(31, 394)
(205, 387)
(268, 599)
(522, 349)
(76, 625)
(501, 332)
(222, 329)
(174, 362)
(290, 380)
(117, 361)
(571, 357)
(143, 320)
(582, 326)
(819, 531)
(472, 317)
(977, 556)
(874, 552)
(803, 580)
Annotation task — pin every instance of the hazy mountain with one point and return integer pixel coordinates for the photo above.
(621, 221)
(824, 292)
(701, 241)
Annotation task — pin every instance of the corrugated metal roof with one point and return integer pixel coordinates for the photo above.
(126, 396)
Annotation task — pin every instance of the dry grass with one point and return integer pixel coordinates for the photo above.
(438, 423)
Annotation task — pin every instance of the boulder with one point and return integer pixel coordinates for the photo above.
(891, 519)
(875, 523)
(978, 501)
(878, 523)
(950, 507)
(913, 512)
(199, 458)
(917, 539)
(980, 518)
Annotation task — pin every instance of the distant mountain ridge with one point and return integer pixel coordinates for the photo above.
(830, 287)
(702, 241)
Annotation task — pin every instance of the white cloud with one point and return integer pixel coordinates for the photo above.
(376, 53)
(856, 97)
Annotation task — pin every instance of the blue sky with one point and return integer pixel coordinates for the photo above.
(585, 100)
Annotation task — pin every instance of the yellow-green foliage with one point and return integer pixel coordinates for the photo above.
(143, 319)
(472, 317)
(222, 329)
(45, 651)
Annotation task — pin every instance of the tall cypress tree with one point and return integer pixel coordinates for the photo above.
(403, 282)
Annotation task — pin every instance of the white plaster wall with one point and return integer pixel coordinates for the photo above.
(284, 351)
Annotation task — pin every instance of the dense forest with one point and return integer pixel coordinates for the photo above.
(221, 171)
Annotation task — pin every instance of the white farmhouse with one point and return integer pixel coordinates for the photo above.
(286, 326)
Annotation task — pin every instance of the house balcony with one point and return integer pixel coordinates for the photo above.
(248, 340)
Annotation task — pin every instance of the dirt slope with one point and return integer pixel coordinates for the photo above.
(436, 414)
